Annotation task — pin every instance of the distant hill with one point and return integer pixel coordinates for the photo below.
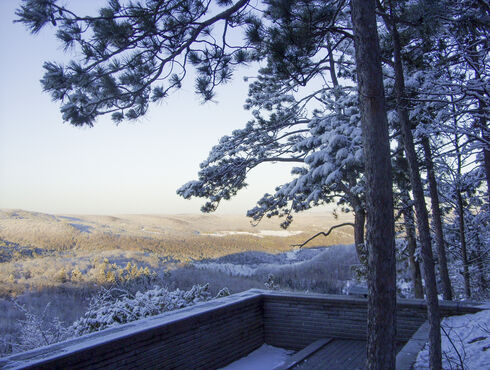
(172, 234)
(39, 249)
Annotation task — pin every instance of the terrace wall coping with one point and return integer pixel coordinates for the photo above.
(72, 346)
(184, 316)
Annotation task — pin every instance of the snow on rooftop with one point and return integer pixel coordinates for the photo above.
(264, 358)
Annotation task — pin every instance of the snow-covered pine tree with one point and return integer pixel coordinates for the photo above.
(328, 145)
(468, 33)
(130, 48)
(464, 201)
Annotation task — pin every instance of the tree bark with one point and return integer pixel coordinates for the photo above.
(480, 264)
(435, 353)
(359, 221)
(464, 250)
(460, 210)
(437, 221)
(381, 347)
(409, 222)
(403, 183)
(486, 139)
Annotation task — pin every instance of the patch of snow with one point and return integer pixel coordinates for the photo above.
(405, 287)
(468, 346)
(150, 232)
(264, 358)
(292, 255)
(260, 234)
(227, 233)
(281, 233)
(228, 268)
(246, 270)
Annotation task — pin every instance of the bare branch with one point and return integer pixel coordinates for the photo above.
(323, 233)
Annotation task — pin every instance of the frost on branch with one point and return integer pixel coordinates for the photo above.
(328, 146)
(38, 330)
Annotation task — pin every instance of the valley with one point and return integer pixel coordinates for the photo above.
(39, 250)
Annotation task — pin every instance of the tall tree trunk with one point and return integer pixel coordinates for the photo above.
(460, 210)
(409, 222)
(486, 140)
(359, 221)
(480, 264)
(380, 241)
(435, 353)
(403, 183)
(437, 221)
(464, 252)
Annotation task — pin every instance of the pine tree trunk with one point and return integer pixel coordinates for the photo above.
(480, 264)
(464, 252)
(359, 221)
(460, 210)
(437, 221)
(435, 353)
(409, 222)
(381, 347)
(486, 139)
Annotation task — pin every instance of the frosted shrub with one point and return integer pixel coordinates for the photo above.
(105, 311)
(109, 307)
(225, 292)
(271, 283)
(38, 330)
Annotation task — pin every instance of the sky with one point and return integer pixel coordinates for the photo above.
(135, 167)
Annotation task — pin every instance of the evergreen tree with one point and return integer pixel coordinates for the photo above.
(328, 144)
(129, 50)
(402, 106)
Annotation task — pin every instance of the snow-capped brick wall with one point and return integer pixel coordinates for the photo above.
(215, 333)
(295, 320)
(207, 335)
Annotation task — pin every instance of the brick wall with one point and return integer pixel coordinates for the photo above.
(213, 334)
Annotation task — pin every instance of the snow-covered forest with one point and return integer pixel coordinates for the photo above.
(382, 106)
(43, 315)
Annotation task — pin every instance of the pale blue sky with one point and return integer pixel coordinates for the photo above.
(50, 166)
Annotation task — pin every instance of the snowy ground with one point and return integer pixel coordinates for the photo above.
(247, 264)
(468, 346)
(264, 358)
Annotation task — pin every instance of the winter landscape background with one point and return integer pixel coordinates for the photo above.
(63, 276)
(51, 266)
(421, 186)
